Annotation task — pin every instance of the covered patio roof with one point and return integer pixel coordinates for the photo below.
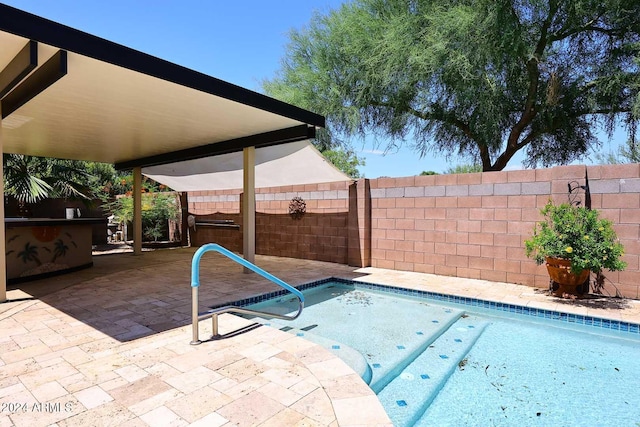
(68, 94)
(86, 98)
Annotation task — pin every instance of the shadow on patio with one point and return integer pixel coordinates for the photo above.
(128, 297)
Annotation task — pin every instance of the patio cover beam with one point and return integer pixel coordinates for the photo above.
(49, 73)
(19, 67)
(281, 136)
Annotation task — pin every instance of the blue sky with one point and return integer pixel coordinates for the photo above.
(239, 41)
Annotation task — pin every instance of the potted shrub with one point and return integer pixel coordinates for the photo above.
(574, 241)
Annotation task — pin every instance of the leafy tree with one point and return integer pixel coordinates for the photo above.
(157, 209)
(471, 168)
(101, 178)
(424, 173)
(629, 153)
(123, 184)
(346, 161)
(480, 79)
(30, 179)
(337, 151)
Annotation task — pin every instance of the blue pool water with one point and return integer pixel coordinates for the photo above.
(435, 364)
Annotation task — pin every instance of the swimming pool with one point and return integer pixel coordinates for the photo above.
(440, 363)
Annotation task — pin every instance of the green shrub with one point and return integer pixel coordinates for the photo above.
(578, 234)
(157, 209)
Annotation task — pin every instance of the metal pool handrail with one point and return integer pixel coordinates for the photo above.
(195, 284)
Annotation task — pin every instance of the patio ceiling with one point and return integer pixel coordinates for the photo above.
(105, 102)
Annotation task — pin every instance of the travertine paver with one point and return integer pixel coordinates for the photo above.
(357, 411)
(316, 406)
(251, 409)
(48, 391)
(93, 397)
(112, 347)
(209, 400)
(163, 416)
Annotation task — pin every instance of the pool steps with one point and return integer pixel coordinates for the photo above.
(390, 356)
(389, 361)
(392, 352)
(411, 392)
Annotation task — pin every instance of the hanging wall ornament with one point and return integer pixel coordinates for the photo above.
(297, 208)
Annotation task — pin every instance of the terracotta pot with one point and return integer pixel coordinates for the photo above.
(565, 281)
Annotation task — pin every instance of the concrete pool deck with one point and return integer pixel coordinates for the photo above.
(110, 345)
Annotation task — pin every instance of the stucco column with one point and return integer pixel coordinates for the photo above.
(359, 224)
(3, 243)
(137, 210)
(249, 204)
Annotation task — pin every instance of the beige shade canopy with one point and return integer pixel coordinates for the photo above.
(286, 164)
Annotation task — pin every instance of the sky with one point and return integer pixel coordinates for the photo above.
(239, 41)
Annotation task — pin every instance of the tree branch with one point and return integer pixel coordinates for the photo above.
(530, 111)
(450, 119)
(502, 161)
(587, 28)
(444, 118)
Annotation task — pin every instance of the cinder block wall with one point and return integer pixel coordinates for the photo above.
(615, 192)
(474, 225)
(467, 225)
(320, 234)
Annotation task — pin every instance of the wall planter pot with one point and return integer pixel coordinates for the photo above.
(564, 280)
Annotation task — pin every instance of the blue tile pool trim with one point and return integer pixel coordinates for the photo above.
(597, 322)
(275, 294)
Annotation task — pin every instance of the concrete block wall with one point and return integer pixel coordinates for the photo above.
(615, 192)
(320, 234)
(474, 225)
(467, 225)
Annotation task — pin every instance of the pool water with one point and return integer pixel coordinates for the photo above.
(433, 364)
(519, 373)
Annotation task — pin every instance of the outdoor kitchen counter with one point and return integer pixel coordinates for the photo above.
(41, 247)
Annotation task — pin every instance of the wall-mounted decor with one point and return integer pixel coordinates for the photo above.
(297, 208)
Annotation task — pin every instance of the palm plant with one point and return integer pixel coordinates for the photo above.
(29, 179)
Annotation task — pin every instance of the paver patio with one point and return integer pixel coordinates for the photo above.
(110, 345)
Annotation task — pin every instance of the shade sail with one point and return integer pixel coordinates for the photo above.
(286, 164)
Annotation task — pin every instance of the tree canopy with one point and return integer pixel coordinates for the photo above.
(479, 79)
(627, 153)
